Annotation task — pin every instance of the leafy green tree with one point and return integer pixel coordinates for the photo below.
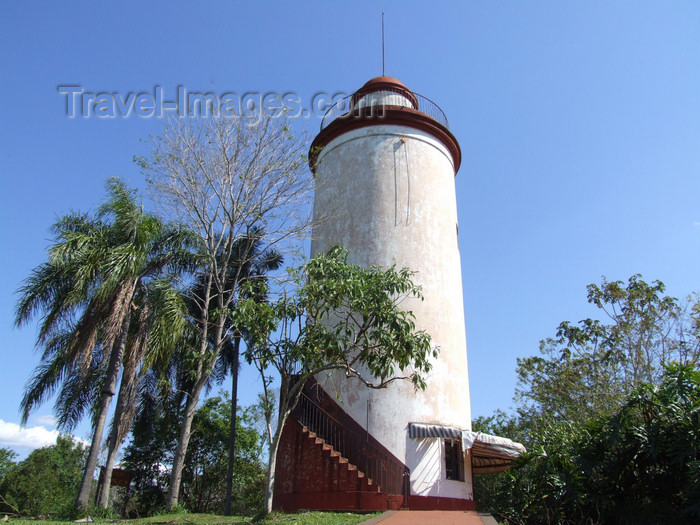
(204, 475)
(517, 496)
(339, 317)
(609, 416)
(642, 465)
(47, 482)
(7, 461)
(639, 465)
(588, 369)
(98, 269)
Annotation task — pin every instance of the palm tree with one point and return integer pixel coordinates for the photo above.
(160, 320)
(87, 293)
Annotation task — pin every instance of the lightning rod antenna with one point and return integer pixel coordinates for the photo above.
(382, 43)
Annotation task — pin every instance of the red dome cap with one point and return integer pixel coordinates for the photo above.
(383, 82)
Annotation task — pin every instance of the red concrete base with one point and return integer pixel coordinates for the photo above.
(334, 501)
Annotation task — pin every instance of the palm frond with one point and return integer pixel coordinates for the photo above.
(77, 395)
(168, 323)
(46, 379)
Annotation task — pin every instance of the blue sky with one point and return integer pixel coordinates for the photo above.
(579, 124)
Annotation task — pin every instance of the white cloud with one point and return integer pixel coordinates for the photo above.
(46, 420)
(696, 223)
(28, 438)
(12, 435)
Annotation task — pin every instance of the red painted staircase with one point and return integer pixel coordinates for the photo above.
(318, 457)
(311, 474)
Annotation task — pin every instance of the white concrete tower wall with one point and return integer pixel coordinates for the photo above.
(386, 192)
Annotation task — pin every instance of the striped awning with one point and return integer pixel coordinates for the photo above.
(481, 465)
(492, 454)
(488, 453)
(427, 430)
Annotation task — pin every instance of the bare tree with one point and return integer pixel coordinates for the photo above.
(226, 179)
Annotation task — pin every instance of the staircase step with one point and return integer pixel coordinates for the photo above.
(369, 486)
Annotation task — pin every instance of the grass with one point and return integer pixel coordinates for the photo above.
(301, 518)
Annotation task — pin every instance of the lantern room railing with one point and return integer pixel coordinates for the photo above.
(348, 105)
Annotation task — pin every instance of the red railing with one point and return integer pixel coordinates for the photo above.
(321, 415)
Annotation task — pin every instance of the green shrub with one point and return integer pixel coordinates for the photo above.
(46, 483)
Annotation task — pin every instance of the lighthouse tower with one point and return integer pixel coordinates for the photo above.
(385, 163)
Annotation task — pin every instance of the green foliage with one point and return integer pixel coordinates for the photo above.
(204, 476)
(7, 462)
(588, 369)
(609, 414)
(639, 465)
(642, 463)
(341, 316)
(46, 482)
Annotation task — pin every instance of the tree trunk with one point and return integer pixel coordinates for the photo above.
(191, 404)
(232, 433)
(115, 362)
(183, 441)
(272, 463)
(204, 368)
(115, 437)
(287, 402)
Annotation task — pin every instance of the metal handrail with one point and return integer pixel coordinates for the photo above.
(379, 465)
(347, 105)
